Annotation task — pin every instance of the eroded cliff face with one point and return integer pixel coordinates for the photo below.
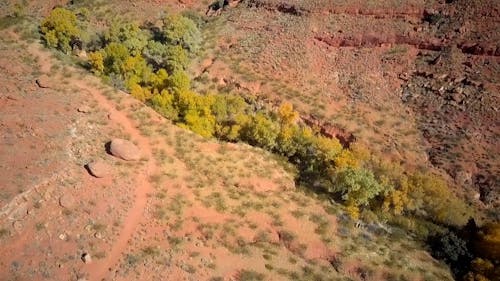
(455, 92)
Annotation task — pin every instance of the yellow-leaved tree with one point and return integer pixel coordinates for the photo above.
(96, 61)
(59, 28)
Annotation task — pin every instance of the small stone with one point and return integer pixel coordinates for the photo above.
(82, 54)
(17, 225)
(404, 76)
(67, 201)
(443, 76)
(84, 109)
(86, 258)
(62, 236)
(477, 196)
(463, 177)
(124, 149)
(457, 97)
(20, 212)
(98, 235)
(43, 82)
(99, 169)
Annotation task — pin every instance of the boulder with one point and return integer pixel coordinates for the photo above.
(99, 169)
(124, 149)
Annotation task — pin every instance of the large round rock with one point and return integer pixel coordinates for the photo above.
(124, 149)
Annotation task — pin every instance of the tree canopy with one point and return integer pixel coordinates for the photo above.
(179, 30)
(59, 28)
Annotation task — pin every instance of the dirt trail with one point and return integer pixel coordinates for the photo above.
(101, 269)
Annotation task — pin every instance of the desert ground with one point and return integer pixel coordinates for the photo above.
(97, 185)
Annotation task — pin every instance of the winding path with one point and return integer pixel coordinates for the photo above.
(99, 270)
(103, 269)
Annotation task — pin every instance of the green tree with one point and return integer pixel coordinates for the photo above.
(195, 112)
(286, 142)
(128, 34)
(135, 71)
(115, 55)
(171, 57)
(140, 93)
(226, 107)
(59, 28)
(327, 149)
(453, 250)
(261, 131)
(179, 81)
(302, 140)
(356, 186)
(133, 66)
(182, 31)
(158, 80)
(164, 103)
(200, 122)
(228, 111)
